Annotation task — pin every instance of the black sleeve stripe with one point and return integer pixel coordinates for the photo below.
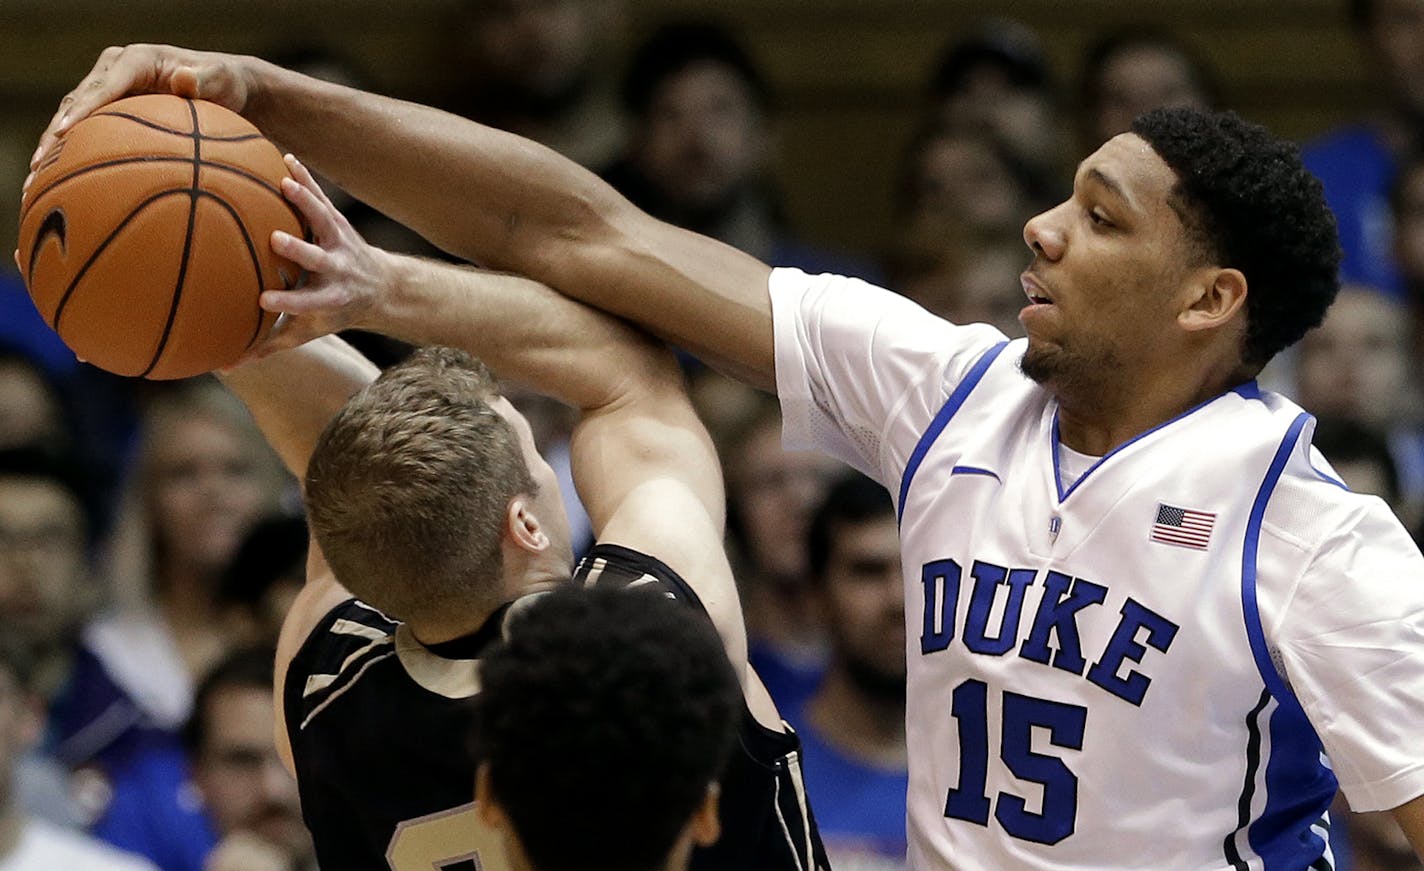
(345, 685)
(615, 564)
(339, 650)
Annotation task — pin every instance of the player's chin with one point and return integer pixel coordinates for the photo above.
(1040, 360)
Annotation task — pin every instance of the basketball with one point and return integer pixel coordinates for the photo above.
(144, 237)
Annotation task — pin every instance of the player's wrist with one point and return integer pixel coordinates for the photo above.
(391, 301)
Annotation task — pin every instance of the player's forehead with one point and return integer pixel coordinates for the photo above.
(1127, 169)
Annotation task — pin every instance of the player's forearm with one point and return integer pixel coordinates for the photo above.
(479, 193)
(292, 395)
(507, 203)
(522, 329)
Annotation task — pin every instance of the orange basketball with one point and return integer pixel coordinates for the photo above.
(144, 238)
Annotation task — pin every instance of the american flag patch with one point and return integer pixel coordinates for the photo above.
(1182, 526)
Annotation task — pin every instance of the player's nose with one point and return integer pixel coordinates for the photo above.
(1043, 236)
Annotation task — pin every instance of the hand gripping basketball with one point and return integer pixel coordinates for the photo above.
(144, 237)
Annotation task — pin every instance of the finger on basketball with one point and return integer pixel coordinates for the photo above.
(312, 258)
(300, 302)
(303, 175)
(319, 215)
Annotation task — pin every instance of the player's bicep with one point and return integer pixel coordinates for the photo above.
(650, 433)
(1410, 817)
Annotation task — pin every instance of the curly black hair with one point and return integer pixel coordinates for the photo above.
(1250, 204)
(604, 715)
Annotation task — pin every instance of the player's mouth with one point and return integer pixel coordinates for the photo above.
(1037, 294)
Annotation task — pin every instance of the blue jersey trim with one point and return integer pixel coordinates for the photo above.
(951, 405)
(1249, 390)
(1254, 632)
(1298, 787)
(975, 470)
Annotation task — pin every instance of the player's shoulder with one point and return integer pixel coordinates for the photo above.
(1304, 502)
(893, 317)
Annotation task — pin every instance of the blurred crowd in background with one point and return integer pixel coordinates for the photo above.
(149, 542)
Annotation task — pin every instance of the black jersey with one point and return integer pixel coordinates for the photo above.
(379, 726)
(766, 822)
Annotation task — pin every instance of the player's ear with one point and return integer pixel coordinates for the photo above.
(1216, 296)
(705, 827)
(523, 527)
(486, 805)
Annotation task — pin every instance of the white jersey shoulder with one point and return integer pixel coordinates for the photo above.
(1140, 668)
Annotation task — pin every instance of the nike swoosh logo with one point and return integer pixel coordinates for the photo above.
(55, 225)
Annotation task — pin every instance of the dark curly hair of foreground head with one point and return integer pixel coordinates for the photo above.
(604, 716)
(1250, 203)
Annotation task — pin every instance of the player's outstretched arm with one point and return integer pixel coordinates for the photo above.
(645, 467)
(488, 196)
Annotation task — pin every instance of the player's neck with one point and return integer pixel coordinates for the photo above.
(865, 726)
(1095, 424)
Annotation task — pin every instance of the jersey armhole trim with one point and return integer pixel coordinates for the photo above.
(1255, 631)
(941, 420)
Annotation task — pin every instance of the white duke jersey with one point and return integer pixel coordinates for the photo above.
(1167, 663)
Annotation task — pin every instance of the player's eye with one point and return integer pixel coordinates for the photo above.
(1098, 218)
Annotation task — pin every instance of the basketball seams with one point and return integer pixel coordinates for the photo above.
(154, 125)
(176, 299)
(251, 253)
(103, 246)
(108, 164)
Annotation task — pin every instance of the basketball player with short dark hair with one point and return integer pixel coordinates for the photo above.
(582, 700)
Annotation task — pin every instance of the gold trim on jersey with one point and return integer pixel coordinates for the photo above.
(451, 678)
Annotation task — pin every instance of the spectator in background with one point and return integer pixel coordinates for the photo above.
(27, 843)
(223, 801)
(1357, 365)
(1407, 207)
(701, 146)
(33, 408)
(771, 493)
(963, 181)
(963, 198)
(258, 586)
(531, 71)
(46, 592)
(204, 476)
(69, 411)
(1127, 72)
(1357, 163)
(996, 79)
(853, 728)
(249, 795)
(964, 282)
(1360, 455)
